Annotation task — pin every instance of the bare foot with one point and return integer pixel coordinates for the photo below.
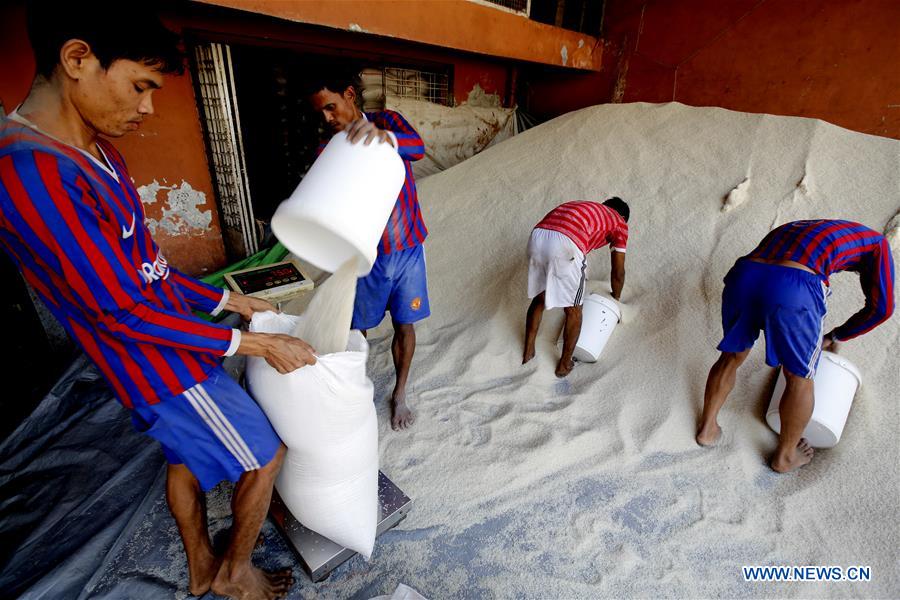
(401, 415)
(201, 574)
(708, 435)
(800, 456)
(528, 354)
(250, 583)
(564, 369)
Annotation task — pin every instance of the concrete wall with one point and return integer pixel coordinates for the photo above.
(834, 60)
(166, 157)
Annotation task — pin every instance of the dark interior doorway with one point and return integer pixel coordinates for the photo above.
(32, 362)
(280, 131)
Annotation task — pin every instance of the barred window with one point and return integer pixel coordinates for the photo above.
(380, 83)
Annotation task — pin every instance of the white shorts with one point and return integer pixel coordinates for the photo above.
(555, 266)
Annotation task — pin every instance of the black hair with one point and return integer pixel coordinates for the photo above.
(113, 30)
(334, 78)
(618, 205)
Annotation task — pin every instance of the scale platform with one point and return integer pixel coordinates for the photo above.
(319, 555)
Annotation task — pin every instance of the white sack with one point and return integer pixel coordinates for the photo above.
(453, 134)
(325, 415)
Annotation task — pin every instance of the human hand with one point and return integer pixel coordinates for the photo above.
(624, 313)
(829, 344)
(363, 129)
(286, 353)
(247, 305)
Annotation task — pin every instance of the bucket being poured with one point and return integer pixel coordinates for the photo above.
(598, 319)
(835, 384)
(340, 208)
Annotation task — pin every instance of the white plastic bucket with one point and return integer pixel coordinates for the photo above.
(835, 384)
(598, 319)
(340, 208)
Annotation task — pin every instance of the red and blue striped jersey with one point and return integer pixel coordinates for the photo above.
(405, 227)
(590, 225)
(828, 246)
(75, 228)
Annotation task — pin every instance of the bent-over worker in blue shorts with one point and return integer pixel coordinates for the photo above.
(781, 288)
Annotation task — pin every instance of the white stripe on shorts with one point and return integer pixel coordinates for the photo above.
(810, 366)
(580, 293)
(195, 401)
(240, 441)
(221, 427)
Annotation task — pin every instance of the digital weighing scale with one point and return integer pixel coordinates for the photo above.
(275, 282)
(319, 555)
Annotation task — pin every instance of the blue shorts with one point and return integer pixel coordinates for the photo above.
(215, 429)
(788, 304)
(397, 283)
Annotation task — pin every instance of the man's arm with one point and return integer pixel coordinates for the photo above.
(213, 300)
(83, 249)
(877, 282)
(409, 143)
(617, 275)
(247, 305)
(199, 294)
(390, 127)
(283, 352)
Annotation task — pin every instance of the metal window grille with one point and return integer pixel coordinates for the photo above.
(215, 80)
(411, 84)
(516, 6)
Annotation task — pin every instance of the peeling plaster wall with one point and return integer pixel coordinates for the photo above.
(169, 151)
(169, 147)
(181, 210)
(491, 77)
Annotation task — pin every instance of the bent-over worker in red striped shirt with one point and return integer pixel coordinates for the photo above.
(557, 265)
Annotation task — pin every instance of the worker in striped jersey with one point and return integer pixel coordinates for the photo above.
(72, 221)
(781, 288)
(557, 265)
(397, 282)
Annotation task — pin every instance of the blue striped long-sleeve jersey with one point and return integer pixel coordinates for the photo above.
(827, 246)
(75, 228)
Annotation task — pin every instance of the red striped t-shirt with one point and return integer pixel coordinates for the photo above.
(590, 225)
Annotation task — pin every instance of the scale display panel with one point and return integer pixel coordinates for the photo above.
(275, 282)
